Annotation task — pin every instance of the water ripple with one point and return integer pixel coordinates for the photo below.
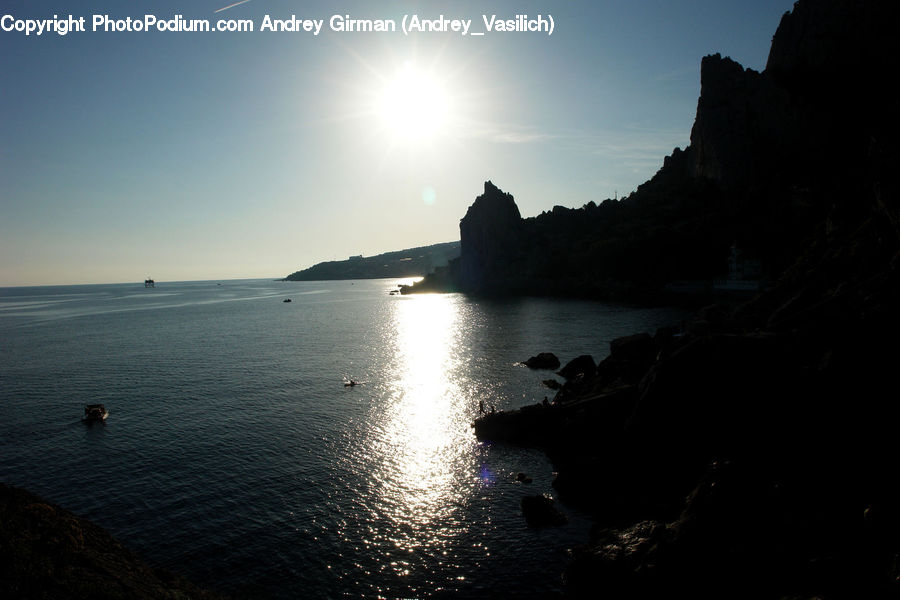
(234, 454)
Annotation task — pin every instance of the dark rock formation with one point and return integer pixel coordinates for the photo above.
(529, 425)
(544, 360)
(588, 411)
(539, 511)
(490, 234)
(580, 366)
(47, 552)
(630, 357)
(773, 156)
(442, 279)
(743, 533)
(740, 128)
(617, 558)
(551, 383)
(749, 452)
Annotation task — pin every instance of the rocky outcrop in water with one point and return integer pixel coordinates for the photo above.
(544, 360)
(539, 511)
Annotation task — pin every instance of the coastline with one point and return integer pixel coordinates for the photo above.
(722, 457)
(750, 452)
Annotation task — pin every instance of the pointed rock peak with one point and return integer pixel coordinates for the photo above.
(717, 61)
(491, 191)
(495, 202)
(722, 76)
(489, 235)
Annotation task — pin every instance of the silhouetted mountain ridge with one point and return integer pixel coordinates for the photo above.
(773, 157)
(412, 262)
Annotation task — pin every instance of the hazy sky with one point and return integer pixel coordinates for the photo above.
(183, 156)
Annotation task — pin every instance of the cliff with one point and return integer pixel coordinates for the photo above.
(489, 232)
(739, 134)
(749, 452)
(774, 156)
(412, 262)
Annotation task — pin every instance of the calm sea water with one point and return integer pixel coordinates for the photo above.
(234, 454)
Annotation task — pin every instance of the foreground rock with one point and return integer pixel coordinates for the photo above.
(743, 533)
(742, 464)
(581, 366)
(548, 426)
(47, 552)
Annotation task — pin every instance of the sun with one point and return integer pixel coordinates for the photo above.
(413, 104)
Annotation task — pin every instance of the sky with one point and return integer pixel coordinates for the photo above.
(185, 155)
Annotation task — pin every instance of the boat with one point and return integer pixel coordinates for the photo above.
(95, 412)
(286, 300)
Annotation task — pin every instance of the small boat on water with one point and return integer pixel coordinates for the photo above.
(95, 412)
(286, 300)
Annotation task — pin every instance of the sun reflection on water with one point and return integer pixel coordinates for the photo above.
(425, 467)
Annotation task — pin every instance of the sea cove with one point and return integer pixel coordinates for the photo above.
(234, 455)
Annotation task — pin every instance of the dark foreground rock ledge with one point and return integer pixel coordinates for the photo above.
(46, 552)
(743, 457)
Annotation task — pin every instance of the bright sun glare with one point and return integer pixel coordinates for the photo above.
(413, 104)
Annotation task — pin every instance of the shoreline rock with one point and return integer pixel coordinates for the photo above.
(544, 360)
(48, 552)
(581, 366)
(539, 511)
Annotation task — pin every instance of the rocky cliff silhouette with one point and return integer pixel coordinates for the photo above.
(490, 232)
(774, 158)
(750, 451)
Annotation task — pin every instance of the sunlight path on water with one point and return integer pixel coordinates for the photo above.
(421, 455)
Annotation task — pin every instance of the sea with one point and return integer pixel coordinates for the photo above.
(235, 455)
